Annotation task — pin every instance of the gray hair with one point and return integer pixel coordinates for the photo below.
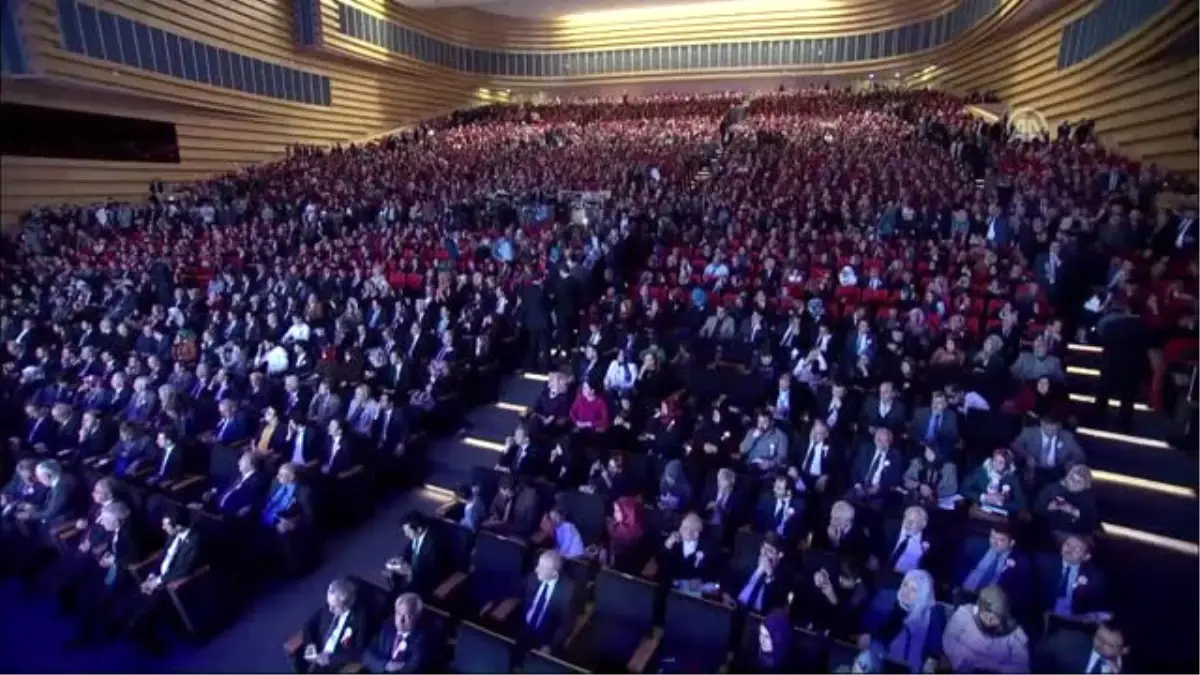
(344, 588)
(412, 601)
(50, 467)
(116, 510)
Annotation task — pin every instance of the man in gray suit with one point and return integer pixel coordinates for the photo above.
(1048, 450)
(1039, 363)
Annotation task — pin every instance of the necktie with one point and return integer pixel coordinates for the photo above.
(754, 599)
(1064, 584)
(780, 512)
(810, 459)
(539, 606)
(1097, 667)
(399, 646)
(935, 421)
(899, 551)
(874, 468)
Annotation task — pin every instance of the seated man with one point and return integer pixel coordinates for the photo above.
(21, 492)
(684, 561)
(765, 447)
(1070, 651)
(548, 604)
(68, 571)
(995, 561)
(765, 587)
(876, 470)
(244, 492)
(521, 457)
(145, 609)
(904, 546)
(1071, 584)
(335, 635)
(290, 521)
(781, 511)
(406, 644)
(416, 570)
(110, 577)
(230, 428)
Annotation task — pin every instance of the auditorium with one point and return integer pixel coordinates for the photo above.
(595, 336)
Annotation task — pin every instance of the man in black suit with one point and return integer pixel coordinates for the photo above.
(548, 604)
(71, 568)
(301, 444)
(170, 461)
(535, 317)
(765, 586)
(883, 410)
(817, 463)
(339, 452)
(416, 570)
(391, 429)
(780, 511)
(1070, 651)
(724, 502)
(684, 558)
(406, 644)
(875, 471)
(60, 502)
(521, 457)
(145, 609)
(289, 520)
(110, 577)
(335, 635)
(1123, 336)
(244, 491)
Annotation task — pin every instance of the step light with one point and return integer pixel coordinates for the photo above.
(513, 407)
(1122, 438)
(485, 444)
(1155, 540)
(1112, 402)
(1142, 484)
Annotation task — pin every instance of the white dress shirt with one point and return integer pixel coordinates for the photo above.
(172, 550)
(335, 635)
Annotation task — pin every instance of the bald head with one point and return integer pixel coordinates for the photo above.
(548, 566)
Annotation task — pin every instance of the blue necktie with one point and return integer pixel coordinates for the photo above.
(935, 420)
(537, 612)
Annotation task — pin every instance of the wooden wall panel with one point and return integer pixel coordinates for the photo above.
(219, 129)
(1142, 94)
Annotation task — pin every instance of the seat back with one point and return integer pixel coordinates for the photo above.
(746, 547)
(697, 623)
(623, 597)
(499, 557)
(455, 541)
(479, 650)
(537, 662)
(222, 463)
(588, 512)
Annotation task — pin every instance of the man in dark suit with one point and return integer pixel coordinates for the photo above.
(905, 545)
(936, 425)
(817, 463)
(416, 570)
(548, 604)
(684, 558)
(838, 408)
(244, 492)
(170, 461)
(535, 319)
(339, 453)
(996, 560)
(111, 576)
(875, 471)
(406, 644)
(860, 343)
(145, 609)
(725, 502)
(65, 574)
(335, 635)
(301, 445)
(1070, 584)
(765, 586)
(230, 428)
(1070, 651)
(883, 410)
(1124, 338)
(780, 511)
(60, 503)
(521, 457)
(391, 428)
(289, 519)
(271, 438)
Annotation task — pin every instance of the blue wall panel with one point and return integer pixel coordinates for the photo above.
(1105, 25)
(100, 34)
(909, 39)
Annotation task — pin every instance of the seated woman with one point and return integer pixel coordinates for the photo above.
(551, 413)
(831, 601)
(621, 376)
(1045, 398)
(608, 478)
(589, 412)
(842, 535)
(674, 490)
(984, 636)
(996, 486)
(932, 480)
(906, 624)
(663, 436)
(774, 645)
(564, 466)
(1068, 506)
(626, 530)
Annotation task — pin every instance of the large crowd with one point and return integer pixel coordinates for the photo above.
(805, 366)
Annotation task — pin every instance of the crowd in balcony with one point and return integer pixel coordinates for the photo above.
(805, 368)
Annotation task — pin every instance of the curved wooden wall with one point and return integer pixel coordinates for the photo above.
(219, 128)
(1141, 92)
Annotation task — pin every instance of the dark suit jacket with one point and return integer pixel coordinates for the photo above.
(186, 557)
(891, 476)
(233, 432)
(765, 519)
(889, 538)
(419, 655)
(240, 494)
(426, 571)
(673, 565)
(531, 464)
(1066, 651)
(870, 417)
(774, 593)
(350, 647)
(946, 434)
(395, 432)
(732, 513)
(1089, 597)
(169, 467)
(126, 551)
(1016, 579)
(559, 614)
(60, 504)
(333, 464)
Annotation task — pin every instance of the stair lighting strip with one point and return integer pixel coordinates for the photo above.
(1112, 402)
(1122, 438)
(513, 407)
(1087, 372)
(1089, 349)
(481, 443)
(1155, 540)
(536, 377)
(1143, 484)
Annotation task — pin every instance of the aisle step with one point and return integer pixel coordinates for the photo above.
(492, 421)
(1168, 466)
(1149, 511)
